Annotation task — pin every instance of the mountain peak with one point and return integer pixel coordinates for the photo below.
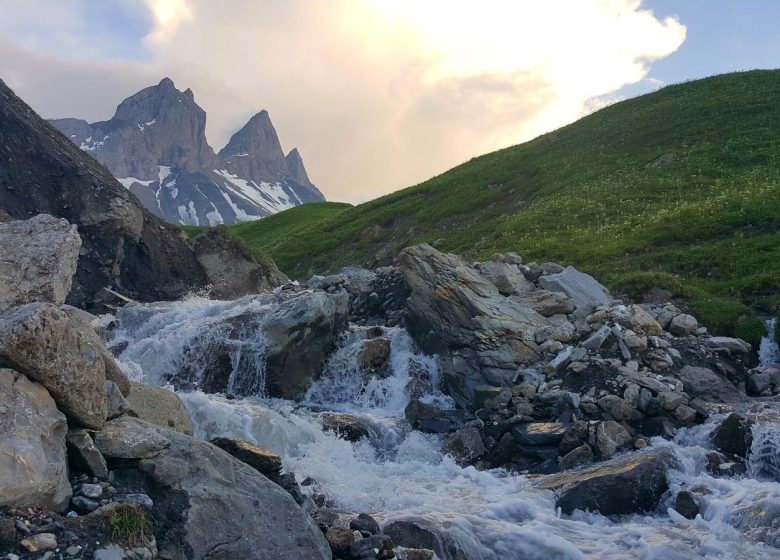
(166, 83)
(297, 169)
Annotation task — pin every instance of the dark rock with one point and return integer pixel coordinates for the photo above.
(117, 405)
(575, 436)
(576, 457)
(374, 354)
(83, 504)
(375, 546)
(364, 523)
(708, 385)
(344, 426)
(618, 408)
(734, 435)
(609, 437)
(621, 486)
(262, 460)
(686, 505)
(340, 540)
(416, 532)
(465, 445)
(431, 419)
(657, 426)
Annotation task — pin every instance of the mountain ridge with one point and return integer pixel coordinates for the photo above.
(156, 146)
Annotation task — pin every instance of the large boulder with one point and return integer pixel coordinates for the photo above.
(233, 511)
(233, 271)
(585, 290)
(421, 533)
(39, 260)
(508, 278)
(159, 406)
(481, 336)
(708, 385)
(33, 462)
(626, 485)
(39, 340)
(300, 334)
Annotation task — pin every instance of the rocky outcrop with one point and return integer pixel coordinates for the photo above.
(123, 245)
(631, 484)
(39, 258)
(40, 341)
(160, 407)
(583, 289)
(155, 144)
(232, 271)
(481, 336)
(220, 490)
(33, 465)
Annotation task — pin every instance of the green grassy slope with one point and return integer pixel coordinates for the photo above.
(678, 189)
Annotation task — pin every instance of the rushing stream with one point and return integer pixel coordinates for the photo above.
(398, 472)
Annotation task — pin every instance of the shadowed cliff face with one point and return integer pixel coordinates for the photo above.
(124, 246)
(155, 144)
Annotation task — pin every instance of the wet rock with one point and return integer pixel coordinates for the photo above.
(734, 435)
(403, 553)
(578, 456)
(609, 437)
(431, 419)
(630, 484)
(262, 460)
(759, 520)
(658, 426)
(340, 540)
(708, 385)
(583, 289)
(488, 396)
(618, 408)
(539, 433)
(465, 445)
(686, 505)
(375, 546)
(374, 354)
(40, 341)
(416, 532)
(344, 426)
(39, 260)
(160, 407)
(683, 325)
(33, 462)
(130, 438)
(366, 524)
(758, 383)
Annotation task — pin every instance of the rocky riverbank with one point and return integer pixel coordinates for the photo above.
(533, 370)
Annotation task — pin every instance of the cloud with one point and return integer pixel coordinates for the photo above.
(379, 94)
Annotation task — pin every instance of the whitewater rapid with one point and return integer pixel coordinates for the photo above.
(397, 472)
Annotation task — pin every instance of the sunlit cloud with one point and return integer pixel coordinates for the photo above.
(382, 94)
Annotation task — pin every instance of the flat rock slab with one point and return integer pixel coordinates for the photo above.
(262, 460)
(585, 290)
(630, 484)
(130, 438)
(539, 433)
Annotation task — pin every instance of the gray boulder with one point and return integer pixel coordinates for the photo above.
(301, 335)
(40, 341)
(683, 325)
(508, 278)
(465, 445)
(83, 455)
(33, 462)
(417, 532)
(160, 407)
(233, 511)
(708, 385)
(585, 290)
(39, 260)
(232, 271)
(130, 438)
(630, 484)
(547, 303)
(733, 344)
(481, 336)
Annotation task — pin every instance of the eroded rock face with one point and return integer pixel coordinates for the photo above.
(481, 336)
(39, 260)
(33, 463)
(621, 486)
(232, 271)
(220, 490)
(40, 341)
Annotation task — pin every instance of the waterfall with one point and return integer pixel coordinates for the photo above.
(397, 472)
(768, 350)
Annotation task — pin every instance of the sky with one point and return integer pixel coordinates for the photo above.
(377, 94)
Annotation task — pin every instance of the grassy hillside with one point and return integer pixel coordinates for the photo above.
(678, 189)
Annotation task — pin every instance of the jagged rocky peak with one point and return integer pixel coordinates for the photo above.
(155, 145)
(255, 150)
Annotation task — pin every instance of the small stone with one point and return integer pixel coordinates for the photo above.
(71, 515)
(139, 499)
(39, 542)
(366, 524)
(84, 505)
(577, 456)
(686, 505)
(684, 414)
(683, 325)
(640, 443)
(11, 556)
(73, 550)
(93, 491)
(340, 540)
(670, 400)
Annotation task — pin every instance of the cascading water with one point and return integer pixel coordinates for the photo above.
(768, 350)
(398, 472)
